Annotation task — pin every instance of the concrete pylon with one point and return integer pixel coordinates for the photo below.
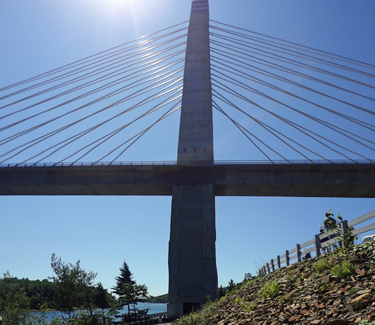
(192, 253)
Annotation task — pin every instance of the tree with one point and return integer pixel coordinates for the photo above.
(231, 285)
(129, 294)
(247, 277)
(133, 293)
(103, 300)
(14, 302)
(123, 279)
(75, 286)
(221, 292)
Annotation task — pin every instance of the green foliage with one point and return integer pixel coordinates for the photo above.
(158, 299)
(75, 286)
(14, 302)
(231, 285)
(222, 298)
(40, 293)
(322, 288)
(333, 226)
(129, 294)
(247, 277)
(190, 319)
(249, 307)
(323, 264)
(200, 317)
(221, 292)
(123, 279)
(343, 270)
(366, 322)
(270, 289)
(353, 291)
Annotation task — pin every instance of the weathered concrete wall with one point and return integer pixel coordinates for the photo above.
(192, 259)
(195, 145)
(192, 255)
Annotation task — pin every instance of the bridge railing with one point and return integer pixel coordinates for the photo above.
(316, 244)
(172, 162)
(153, 319)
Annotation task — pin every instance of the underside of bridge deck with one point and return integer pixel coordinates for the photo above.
(304, 180)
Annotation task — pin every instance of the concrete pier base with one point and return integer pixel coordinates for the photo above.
(192, 257)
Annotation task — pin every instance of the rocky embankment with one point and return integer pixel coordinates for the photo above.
(334, 289)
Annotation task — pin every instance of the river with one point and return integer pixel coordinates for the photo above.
(153, 308)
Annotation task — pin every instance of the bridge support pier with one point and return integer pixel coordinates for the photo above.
(192, 256)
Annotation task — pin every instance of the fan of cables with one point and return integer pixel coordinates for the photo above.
(284, 102)
(96, 108)
(292, 102)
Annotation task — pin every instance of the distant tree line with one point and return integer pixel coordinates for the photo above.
(72, 291)
(40, 294)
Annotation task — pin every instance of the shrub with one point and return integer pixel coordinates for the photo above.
(343, 270)
(248, 307)
(238, 300)
(270, 289)
(352, 291)
(322, 265)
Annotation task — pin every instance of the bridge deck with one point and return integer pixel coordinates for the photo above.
(297, 180)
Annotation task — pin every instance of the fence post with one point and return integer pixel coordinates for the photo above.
(273, 266)
(298, 246)
(268, 268)
(345, 234)
(278, 261)
(264, 270)
(287, 257)
(317, 245)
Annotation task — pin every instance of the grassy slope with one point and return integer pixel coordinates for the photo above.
(316, 291)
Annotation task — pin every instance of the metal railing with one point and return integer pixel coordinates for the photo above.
(316, 244)
(153, 319)
(172, 163)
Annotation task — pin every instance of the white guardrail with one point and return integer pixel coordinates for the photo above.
(316, 244)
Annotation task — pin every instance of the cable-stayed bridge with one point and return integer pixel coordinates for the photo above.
(304, 116)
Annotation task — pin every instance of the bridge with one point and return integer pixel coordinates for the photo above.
(326, 124)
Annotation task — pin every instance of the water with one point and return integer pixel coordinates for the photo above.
(154, 308)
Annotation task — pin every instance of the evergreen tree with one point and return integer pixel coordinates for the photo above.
(123, 279)
(221, 292)
(129, 294)
(231, 285)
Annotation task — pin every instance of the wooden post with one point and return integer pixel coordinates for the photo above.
(345, 234)
(317, 245)
(273, 266)
(268, 268)
(287, 257)
(298, 252)
(278, 261)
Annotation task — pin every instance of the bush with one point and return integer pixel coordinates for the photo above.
(270, 289)
(322, 265)
(343, 270)
(248, 307)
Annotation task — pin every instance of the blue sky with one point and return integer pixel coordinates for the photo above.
(102, 232)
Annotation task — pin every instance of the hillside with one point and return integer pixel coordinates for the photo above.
(158, 299)
(334, 289)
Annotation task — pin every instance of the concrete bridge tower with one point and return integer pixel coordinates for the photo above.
(192, 256)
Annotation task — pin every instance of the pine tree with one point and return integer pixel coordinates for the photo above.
(122, 280)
